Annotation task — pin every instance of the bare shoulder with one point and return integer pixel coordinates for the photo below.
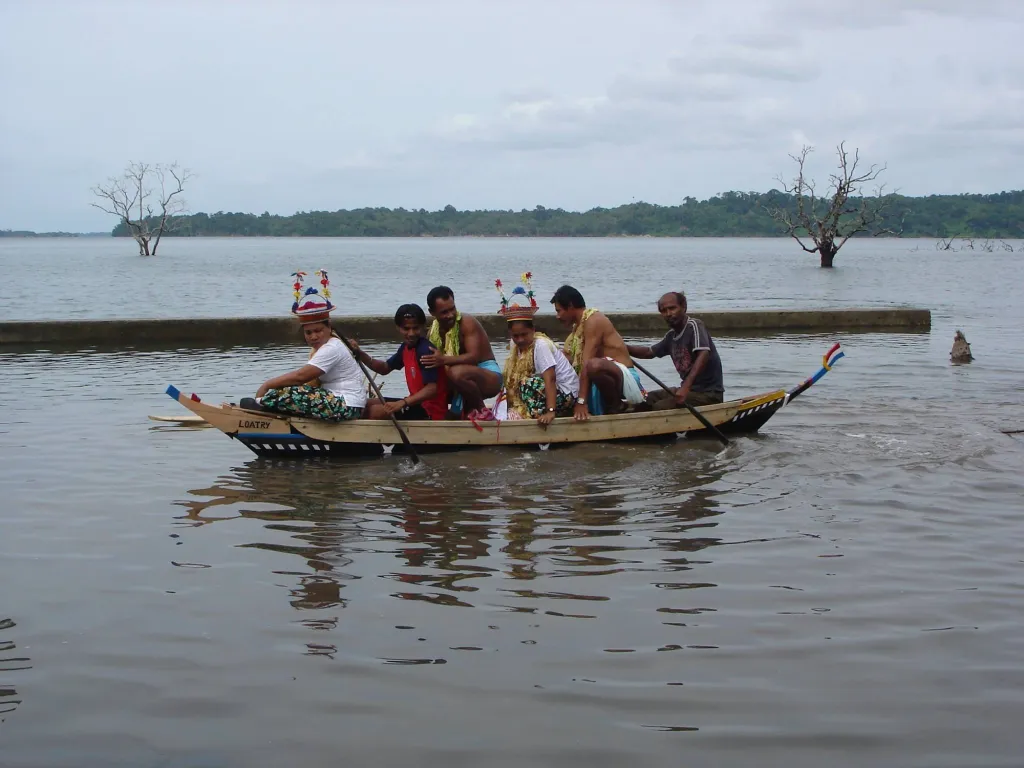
(598, 322)
(469, 324)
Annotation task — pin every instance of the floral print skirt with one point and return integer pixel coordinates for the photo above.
(532, 393)
(314, 402)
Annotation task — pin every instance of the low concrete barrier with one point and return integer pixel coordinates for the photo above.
(256, 331)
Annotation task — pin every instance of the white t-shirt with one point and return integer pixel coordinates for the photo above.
(341, 373)
(545, 355)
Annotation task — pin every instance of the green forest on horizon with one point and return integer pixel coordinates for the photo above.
(731, 214)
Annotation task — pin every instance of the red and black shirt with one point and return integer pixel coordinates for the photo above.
(417, 376)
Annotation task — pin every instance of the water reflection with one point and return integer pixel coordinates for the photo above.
(445, 534)
(11, 660)
(496, 530)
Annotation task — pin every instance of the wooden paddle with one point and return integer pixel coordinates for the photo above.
(376, 391)
(694, 411)
(189, 420)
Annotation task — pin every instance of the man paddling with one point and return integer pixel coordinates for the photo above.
(599, 355)
(464, 350)
(428, 389)
(693, 353)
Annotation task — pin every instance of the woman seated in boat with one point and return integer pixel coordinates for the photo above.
(428, 387)
(540, 382)
(331, 385)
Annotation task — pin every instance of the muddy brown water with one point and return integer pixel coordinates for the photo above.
(845, 588)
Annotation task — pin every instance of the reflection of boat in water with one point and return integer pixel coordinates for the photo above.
(499, 541)
(9, 700)
(272, 434)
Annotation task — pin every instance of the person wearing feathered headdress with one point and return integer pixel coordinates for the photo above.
(330, 385)
(539, 381)
(463, 350)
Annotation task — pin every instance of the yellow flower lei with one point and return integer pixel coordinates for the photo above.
(574, 341)
(518, 368)
(451, 345)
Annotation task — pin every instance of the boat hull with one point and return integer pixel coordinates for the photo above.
(268, 434)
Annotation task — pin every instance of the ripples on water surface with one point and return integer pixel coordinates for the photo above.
(843, 589)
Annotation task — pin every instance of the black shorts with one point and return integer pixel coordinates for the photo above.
(415, 412)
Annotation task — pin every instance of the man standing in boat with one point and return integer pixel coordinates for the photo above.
(599, 355)
(693, 353)
(464, 350)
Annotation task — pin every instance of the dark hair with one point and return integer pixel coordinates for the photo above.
(680, 297)
(440, 292)
(415, 311)
(528, 323)
(568, 297)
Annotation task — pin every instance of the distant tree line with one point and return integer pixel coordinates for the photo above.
(731, 214)
(30, 233)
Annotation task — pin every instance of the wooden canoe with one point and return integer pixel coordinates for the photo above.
(270, 434)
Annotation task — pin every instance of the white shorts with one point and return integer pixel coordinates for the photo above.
(631, 391)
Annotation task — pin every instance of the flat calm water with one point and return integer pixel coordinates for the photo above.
(236, 277)
(844, 589)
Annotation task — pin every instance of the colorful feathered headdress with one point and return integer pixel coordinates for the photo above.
(312, 305)
(520, 304)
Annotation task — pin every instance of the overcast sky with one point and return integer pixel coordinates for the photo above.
(498, 103)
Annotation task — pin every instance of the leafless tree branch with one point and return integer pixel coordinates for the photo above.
(832, 220)
(136, 195)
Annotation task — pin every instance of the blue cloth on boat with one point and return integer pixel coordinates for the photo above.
(490, 365)
(594, 403)
(487, 365)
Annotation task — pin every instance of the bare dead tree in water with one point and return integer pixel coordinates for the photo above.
(147, 199)
(829, 221)
(988, 246)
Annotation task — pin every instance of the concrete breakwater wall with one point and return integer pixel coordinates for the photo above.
(255, 331)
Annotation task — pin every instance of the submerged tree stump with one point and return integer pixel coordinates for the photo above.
(961, 352)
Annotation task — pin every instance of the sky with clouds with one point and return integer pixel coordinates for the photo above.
(498, 104)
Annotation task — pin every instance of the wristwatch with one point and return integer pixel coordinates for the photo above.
(580, 401)
(551, 410)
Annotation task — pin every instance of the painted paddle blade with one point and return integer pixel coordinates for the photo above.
(828, 360)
